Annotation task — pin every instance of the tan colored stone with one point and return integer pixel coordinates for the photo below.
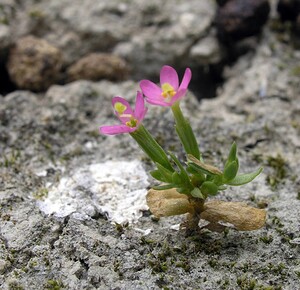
(34, 64)
(97, 66)
(169, 202)
(239, 214)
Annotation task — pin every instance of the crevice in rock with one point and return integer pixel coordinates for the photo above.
(206, 80)
(6, 85)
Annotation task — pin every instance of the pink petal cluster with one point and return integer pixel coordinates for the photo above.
(170, 91)
(130, 119)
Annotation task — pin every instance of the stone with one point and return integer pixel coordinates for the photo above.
(206, 51)
(97, 66)
(34, 64)
(5, 39)
(238, 19)
(288, 9)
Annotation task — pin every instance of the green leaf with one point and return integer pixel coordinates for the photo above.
(244, 178)
(164, 187)
(183, 190)
(231, 170)
(196, 192)
(209, 188)
(176, 178)
(165, 172)
(156, 174)
(208, 169)
(232, 153)
(149, 145)
(185, 132)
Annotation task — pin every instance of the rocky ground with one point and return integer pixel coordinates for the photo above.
(66, 192)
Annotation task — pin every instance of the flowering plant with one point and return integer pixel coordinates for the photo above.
(185, 186)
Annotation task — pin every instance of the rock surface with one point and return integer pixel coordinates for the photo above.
(34, 64)
(146, 34)
(48, 141)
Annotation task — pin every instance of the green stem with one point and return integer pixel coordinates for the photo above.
(185, 132)
(151, 147)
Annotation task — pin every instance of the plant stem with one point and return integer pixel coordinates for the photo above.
(149, 145)
(185, 132)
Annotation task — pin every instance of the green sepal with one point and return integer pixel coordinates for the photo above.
(196, 192)
(203, 167)
(164, 187)
(231, 170)
(244, 178)
(209, 188)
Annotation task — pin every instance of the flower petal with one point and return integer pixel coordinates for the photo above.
(178, 96)
(116, 129)
(128, 110)
(186, 79)
(170, 76)
(140, 110)
(150, 89)
(158, 102)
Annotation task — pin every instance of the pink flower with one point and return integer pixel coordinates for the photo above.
(130, 119)
(170, 90)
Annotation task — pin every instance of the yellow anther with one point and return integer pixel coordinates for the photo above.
(120, 108)
(167, 91)
(132, 123)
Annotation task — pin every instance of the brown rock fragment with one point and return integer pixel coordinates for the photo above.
(168, 202)
(96, 66)
(34, 64)
(238, 214)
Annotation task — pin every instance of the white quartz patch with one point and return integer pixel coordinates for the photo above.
(114, 188)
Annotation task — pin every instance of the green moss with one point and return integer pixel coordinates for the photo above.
(279, 170)
(213, 263)
(10, 159)
(295, 71)
(246, 283)
(41, 194)
(54, 285)
(14, 285)
(36, 14)
(266, 239)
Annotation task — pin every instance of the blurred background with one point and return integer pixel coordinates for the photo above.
(60, 41)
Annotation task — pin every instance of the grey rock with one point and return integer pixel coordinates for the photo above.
(5, 38)
(46, 138)
(146, 34)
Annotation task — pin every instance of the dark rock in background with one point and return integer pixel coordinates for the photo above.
(34, 64)
(288, 9)
(238, 19)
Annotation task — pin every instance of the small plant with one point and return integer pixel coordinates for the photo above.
(185, 186)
